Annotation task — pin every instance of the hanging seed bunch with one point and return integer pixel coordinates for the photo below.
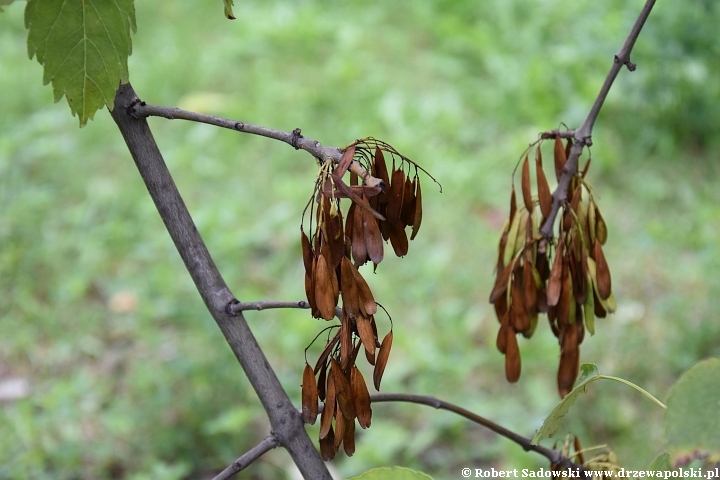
(380, 208)
(341, 386)
(572, 285)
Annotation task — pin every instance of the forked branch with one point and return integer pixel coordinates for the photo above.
(583, 135)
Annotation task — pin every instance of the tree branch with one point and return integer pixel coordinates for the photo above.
(250, 456)
(553, 456)
(287, 425)
(237, 308)
(583, 135)
(294, 138)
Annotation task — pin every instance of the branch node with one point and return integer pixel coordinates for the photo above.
(296, 137)
(131, 108)
(229, 307)
(239, 126)
(630, 65)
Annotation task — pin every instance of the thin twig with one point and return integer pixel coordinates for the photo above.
(250, 456)
(554, 456)
(294, 138)
(583, 135)
(236, 308)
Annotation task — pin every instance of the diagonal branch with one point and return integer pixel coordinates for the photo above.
(248, 457)
(554, 456)
(287, 425)
(583, 135)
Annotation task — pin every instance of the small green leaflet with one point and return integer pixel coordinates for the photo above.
(392, 473)
(228, 9)
(692, 419)
(588, 374)
(83, 46)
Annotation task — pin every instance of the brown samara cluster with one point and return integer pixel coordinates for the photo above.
(381, 208)
(572, 285)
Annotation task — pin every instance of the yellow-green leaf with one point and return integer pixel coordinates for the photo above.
(392, 473)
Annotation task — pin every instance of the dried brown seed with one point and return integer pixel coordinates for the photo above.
(324, 294)
(512, 358)
(563, 305)
(344, 162)
(339, 432)
(365, 333)
(370, 357)
(567, 372)
(349, 438)
(599, 310)
(519, 318)
(343, 392)
(408, 207)
(501, 283)
(310, 294)
(395, 196)
(322, 382)
(513, 205)
(556, 274)
(350, 293)
(398, 238)
(327, 446)
(306, 252)
(359, 249)
(600, 227)
(525, 181)
(604, 282)
(529, 288)
(345, 339)
(417, 216)
(501, 341)
(544, 195)
(367, 301)
(382, 359)
(309, 396)
(372, 237)
(328, 408)
(381, 171)
(361, 398)
(560, 157)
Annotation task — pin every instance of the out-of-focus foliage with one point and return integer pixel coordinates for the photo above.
(111, 368)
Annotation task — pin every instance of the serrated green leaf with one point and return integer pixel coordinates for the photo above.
(692, 419)
(392, 473)
(228, 9)
(83, 46)
(661, 463)
(588, 374)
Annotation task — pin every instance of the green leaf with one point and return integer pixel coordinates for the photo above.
(392, 473)
(83, 46)
(588, 374)
(661, 463)
(692, 419)
(228, 9)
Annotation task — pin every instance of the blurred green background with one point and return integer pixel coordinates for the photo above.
(110, 367)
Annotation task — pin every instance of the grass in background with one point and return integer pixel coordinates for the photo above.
(128, 375)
